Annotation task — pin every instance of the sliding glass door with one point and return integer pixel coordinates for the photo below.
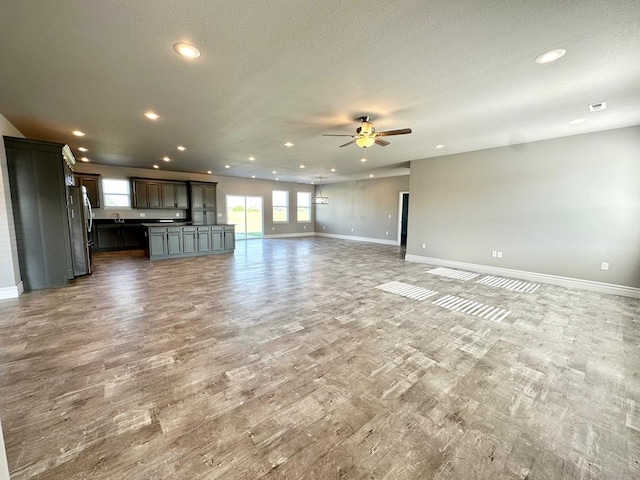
(247, 215)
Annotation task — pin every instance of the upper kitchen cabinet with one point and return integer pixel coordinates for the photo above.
(174, 195)
(203, 202)
(38, 178)
(91, 183)
(150, 193)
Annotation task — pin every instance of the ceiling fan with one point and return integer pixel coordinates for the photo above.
(366, 134)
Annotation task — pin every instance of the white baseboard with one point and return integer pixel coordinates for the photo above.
(11, 292)
(531, 276)
(358, 239)
(288, 235)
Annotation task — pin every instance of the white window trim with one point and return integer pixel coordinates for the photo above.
(308, 207)
(273, 206)
(104, 194)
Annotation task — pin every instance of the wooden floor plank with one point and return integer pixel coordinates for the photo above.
(284, 361)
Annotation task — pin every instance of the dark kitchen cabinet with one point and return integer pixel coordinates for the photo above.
(146, 193)
(92, 183)
(202, 208)
(150, 193)
(174, 195)
(118, 236)
(38, 175)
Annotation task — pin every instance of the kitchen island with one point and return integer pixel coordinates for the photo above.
(185, 239)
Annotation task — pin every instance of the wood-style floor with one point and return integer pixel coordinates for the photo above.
(284, 361)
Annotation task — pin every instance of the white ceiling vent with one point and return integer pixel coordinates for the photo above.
(596, 107)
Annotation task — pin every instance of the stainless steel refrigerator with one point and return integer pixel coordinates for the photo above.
(80, 224)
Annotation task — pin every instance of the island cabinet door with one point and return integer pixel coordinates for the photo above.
(174, 241)
(157, 242)
(229, 238)
(189, 240)
(204, 239)
(216, 238)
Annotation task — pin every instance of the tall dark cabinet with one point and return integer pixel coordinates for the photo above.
(203, 203)
(38, 176)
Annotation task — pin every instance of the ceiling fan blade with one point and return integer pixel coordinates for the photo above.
(348, 143)
(382, 143)
(336, 135)
(402, 131)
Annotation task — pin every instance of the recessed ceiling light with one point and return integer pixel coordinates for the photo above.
(209, 172)
(371, 175)
(151, 115)
(439, 146)
(333, 169)
(227, 166)
(156, 166)
(274, 171)
(186, 50)
(253, 176)
(551, 55)
(83, 149)
(302, 166)
(363, 160)
(79, 133)
(277, 179)
(181, 148)
(252, 158)
(577, 120)
(166, 159)
(84, 159)
(288, 144)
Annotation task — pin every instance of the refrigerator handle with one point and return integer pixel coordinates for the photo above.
(90, 214)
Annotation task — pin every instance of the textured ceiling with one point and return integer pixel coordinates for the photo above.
(459, 73)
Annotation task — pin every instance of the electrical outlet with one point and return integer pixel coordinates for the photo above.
(142, 214)
(304, 226)
(604, 266)
(273, 228)
(499, 254)
(494, 254)
(389, 215)
(386, 233)
(352, 229)
(323, 227)
(219, 215)
(424, 245)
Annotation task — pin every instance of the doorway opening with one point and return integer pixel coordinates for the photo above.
(403, 218)
(247, 215)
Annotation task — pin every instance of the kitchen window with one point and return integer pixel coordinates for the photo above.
(304, 207)
(280, 205)
(116, 192)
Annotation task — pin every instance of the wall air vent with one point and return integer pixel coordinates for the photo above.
(596, 107)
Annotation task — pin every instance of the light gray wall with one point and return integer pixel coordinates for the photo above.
(226, 186)
(9, 266)
(558, 207)
(369, 207)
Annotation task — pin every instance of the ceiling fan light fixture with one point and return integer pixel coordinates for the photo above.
(365, 142)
